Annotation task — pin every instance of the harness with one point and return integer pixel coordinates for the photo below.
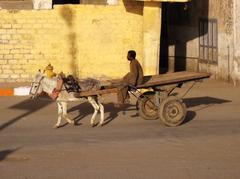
(38, 85)
(71, 84)
(57, 90)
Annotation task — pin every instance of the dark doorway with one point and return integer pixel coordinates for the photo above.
(180, 24)
(163, 68)
(174, 17)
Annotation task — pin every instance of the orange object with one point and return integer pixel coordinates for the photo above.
(6, 92)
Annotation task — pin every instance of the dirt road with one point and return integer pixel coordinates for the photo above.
(207, 145)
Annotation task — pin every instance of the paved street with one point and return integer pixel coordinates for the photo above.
(207, 145)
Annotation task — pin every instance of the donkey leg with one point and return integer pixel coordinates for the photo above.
(235, 82)
(60, 112)
(64, 104)
(96, 108)
(101, 112)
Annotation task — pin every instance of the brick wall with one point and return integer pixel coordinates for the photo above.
(86, 40)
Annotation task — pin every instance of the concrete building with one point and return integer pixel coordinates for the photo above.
(87, 40)
(82, 37)
(201, 36)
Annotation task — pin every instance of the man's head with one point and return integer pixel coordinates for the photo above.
(131, 55)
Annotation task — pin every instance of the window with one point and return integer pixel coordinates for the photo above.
(208, 41)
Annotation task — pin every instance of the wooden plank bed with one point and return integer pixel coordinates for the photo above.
(172, 78)
(150, 82)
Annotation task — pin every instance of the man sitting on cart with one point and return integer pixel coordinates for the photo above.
(132, 78)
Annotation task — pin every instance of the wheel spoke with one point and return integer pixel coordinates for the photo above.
(172, 111)
(147, 107)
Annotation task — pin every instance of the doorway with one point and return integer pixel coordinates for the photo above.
(164, 41)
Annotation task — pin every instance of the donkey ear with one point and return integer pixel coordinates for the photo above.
(39, 70)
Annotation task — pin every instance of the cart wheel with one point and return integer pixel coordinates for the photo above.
(172, 111)
(146, 106)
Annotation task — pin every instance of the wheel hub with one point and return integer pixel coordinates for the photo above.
(172, 111)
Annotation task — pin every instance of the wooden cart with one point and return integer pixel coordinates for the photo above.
(158, 102)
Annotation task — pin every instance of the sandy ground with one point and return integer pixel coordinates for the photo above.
(207, 145)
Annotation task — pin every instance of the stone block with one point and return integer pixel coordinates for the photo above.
(27, 26)
(4, 66)
(3, 31)
(14, 76)
(4, 76)
(6, 37)
(3, 61)
(4, 51)
(8, 56)
(16, 26)
(14, 51)
(17, 56)
(25, 75)
(7, 71)
(12, 61)
(28, 56)
(19, 71)
(11, 31)
(6, 26)
(8, 46)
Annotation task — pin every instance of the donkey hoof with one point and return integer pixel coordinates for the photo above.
(100, 125)
(94, 125)
(70, 122)
(55, 126)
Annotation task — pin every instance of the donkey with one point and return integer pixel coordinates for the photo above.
(42, 83)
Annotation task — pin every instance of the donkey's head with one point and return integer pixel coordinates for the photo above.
(36, 86)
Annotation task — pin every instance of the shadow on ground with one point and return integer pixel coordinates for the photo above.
(189, 117)
(28, 105)
(206, 101)
(86, 109)
(4, 153)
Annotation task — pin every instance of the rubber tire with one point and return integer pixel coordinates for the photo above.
(144, 109)
(172, 111)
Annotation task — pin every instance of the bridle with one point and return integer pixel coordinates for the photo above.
(33, 85)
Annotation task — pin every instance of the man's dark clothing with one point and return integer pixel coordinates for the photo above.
(134, 78)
